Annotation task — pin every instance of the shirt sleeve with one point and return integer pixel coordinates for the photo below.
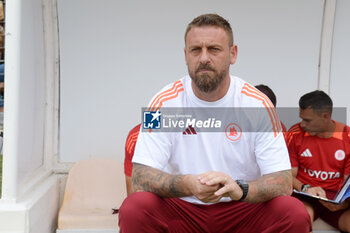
(129, 150)
(128, 161)
(270, 147)
(271, 153)
(153, 149)
(292, 149)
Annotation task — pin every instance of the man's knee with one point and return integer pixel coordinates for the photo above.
(289, 206)
(139, 202)
(344, 221)
(138, 209)
(292, 211)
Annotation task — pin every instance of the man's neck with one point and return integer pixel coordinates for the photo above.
(329, 130)
(214, 95)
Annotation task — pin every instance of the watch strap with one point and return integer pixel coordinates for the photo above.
(245, 188)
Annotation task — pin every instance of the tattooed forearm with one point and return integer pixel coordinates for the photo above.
(270, 186)
(145, 178)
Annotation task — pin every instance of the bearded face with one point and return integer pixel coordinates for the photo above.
(208, 57)
(206, 77)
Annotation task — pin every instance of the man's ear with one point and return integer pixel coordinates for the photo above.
(233, 54)
(326, 115)
(185, 55)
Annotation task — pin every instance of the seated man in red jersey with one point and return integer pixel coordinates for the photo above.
(319, 150)
(129, 153)
(269, 93)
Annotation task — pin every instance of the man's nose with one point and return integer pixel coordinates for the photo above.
(204, 58)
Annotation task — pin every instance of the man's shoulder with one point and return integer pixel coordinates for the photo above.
(251, 96)
(296, 128)
(294, 132)
(343, 130)
(131, 142)
(260, 108)
(171, 91)
(342, 127)
(173, 87)
(134, 130)
(347, 130)
(133, 134)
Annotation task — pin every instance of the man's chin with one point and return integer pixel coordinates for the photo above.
(204, 75)
(206, 82)
(311, 133)
(206, 89)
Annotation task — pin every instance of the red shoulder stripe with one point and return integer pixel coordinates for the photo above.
(160, 97)
(131, 139)
(132, 143)
(249, 91)
(269, 103)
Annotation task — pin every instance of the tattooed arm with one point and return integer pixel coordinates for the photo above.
(263, 189)
(270, 186)
(145, 178)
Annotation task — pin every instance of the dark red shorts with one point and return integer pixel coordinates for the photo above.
(146, 212)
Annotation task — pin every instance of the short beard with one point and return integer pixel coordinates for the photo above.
(205, 82)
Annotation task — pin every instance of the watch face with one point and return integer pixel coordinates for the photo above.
(241, 182)
(305, 187)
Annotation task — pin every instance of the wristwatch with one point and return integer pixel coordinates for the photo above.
(245, 187)
(304, 187)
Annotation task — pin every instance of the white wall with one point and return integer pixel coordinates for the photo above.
(115, 55)
(340, 71)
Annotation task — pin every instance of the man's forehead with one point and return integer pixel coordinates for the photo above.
(307, 112)
(206, 31)
(205, 28)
